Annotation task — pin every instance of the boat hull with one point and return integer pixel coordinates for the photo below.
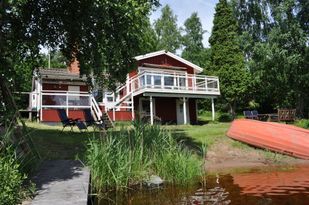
(286, 139)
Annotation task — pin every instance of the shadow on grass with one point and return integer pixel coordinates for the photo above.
(53, 144)
(188, 142)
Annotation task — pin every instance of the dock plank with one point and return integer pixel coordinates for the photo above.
(61, 182)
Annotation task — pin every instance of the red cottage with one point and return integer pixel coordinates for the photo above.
(162, 87)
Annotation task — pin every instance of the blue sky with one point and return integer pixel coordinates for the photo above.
(184, 8)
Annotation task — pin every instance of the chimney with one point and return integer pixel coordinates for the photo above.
(74, 67)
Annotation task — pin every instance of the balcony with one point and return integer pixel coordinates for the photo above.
(172, 83)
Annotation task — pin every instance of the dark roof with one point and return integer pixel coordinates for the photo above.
(59, 74)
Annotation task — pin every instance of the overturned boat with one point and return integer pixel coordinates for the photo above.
(282, 138)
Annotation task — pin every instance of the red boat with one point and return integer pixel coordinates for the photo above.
(282, 138)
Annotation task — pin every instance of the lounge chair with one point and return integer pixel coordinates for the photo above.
(65, 120)
(90, 121)
(248, 114)
(255, 114)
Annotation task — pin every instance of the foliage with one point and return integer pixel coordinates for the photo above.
(227, 60)
(304, 123)
(168, 33)
(193, 40)
(149, 38)
(225, 117)
(274, 36)
(102, 35)
(11, 179)
(57, 60)
(129, 157)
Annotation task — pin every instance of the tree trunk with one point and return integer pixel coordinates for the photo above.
(10, 105)
(300, 106)
(232, 111)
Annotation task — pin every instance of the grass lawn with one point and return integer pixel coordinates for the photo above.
(51, 143)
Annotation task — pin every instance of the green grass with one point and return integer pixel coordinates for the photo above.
(203, 134)
(130, 156)
(51, 143)
(304, 123)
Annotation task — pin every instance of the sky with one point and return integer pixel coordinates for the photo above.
(183, 10)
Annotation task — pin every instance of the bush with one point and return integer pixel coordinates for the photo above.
(129, 157)
(225, 117)
(304, 123)
(11, 180)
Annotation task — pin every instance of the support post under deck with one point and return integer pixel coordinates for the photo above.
(213, 109)
(184, 111)
(151, 110)
(132, 107)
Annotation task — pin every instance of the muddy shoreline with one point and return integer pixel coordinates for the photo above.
(229, 155)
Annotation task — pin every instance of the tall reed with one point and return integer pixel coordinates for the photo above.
(129, 157)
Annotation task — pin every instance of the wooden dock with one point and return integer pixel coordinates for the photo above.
(61, 182)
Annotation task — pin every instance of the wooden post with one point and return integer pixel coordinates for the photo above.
(132, 107)
(114, 114)
(151, 110)
(184, 111)
(212, 109)
(67, 103)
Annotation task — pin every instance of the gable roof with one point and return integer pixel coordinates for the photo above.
(59, 74)
(163, 52)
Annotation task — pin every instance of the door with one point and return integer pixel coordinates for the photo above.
(180, 112)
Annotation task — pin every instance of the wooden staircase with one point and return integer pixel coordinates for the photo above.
(107, 121)
(99, 115)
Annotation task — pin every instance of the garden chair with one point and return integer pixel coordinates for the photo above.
(90, 121)
(286, 115)
(65, 120)
(248, 114)
(81, 125)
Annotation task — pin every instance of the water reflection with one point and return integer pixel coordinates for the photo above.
(257, 187)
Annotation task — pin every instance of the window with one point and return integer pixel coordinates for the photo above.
(169, 81)
(157, 80)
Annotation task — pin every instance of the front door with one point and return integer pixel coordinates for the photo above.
(180, 112)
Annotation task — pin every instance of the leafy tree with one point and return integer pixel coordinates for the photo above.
(193, 40)
(149, 38)
(281, 63)
(102, 35)
(168, 33)
(227, 60)
(57, 60)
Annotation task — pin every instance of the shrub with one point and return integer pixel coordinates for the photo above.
(129, 157)
(11, 180)
(304, 123)
(225, 117)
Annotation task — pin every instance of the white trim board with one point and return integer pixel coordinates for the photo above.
(162, 52)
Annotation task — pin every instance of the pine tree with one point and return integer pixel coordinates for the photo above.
(193, 40)
(227, 59)
(167, 31)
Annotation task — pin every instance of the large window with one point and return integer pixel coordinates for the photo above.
(169, 81)
(157, 80)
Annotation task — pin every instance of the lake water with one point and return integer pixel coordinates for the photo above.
(265, 186)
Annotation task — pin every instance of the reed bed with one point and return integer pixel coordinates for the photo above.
(130, 156)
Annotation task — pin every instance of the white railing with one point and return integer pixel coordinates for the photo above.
(63, 99)
(165, 82)
(96, 109)
(176, 83)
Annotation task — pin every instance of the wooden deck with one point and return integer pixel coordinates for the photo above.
(61, 182)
